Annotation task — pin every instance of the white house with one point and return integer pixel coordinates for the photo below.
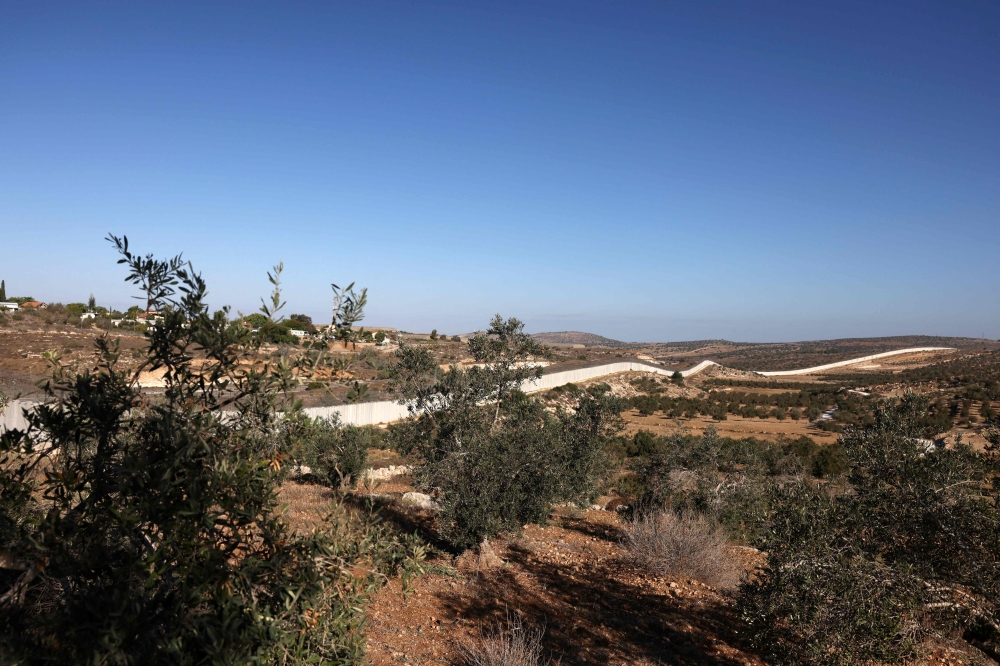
(88, 315)
(299, 333)
(8, 306)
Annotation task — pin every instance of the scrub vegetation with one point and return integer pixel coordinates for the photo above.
(144, 526)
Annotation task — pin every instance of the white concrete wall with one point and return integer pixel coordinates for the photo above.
(370, 413)
(841, 364)
(13, 416)
(362, 413)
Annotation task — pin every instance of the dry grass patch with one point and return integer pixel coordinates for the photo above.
(513, 645)
(684, 547)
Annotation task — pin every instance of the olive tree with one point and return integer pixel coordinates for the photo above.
(139, 529)
(496, 457)
(911, 548)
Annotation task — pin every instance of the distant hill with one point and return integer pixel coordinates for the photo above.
(577, 338)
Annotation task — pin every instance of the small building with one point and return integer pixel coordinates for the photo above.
(299, 333)
(34, 305)
(88, 315)
(8, 306)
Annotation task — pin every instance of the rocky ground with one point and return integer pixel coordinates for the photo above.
(572, 579)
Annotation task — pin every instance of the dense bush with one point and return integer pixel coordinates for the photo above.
(338, 453)
(497, 458)
(913, 548)
(729, 481)
(275, 333)
(511, 476)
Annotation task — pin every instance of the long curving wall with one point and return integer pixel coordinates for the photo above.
(387, 411)
(841, 364)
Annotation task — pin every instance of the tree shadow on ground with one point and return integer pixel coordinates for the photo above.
(593, 617)
(406, 519)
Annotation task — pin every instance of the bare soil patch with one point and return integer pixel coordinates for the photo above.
(572, 578)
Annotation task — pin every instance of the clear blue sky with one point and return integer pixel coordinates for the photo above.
(646, 171)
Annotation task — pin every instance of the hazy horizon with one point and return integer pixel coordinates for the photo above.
(767, 172)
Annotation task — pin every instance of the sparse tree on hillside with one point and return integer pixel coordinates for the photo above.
(3, 291)
(502, 355)
(270, 310)
(348, 309)
(434, 335)
(677, 378)
(91, 303)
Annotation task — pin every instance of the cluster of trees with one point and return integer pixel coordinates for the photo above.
(873, 545)
(907, 548)
(957, 373)
(434, 337)
(852, 409)
(12, 299)
(4, 298)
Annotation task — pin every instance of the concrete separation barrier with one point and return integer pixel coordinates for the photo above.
(841, 364)
(387, 411)
(362, 413)
(13, 417)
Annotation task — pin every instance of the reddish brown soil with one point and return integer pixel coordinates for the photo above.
(572, 578)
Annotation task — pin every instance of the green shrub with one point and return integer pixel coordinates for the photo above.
(338, 453)
(345, 455)
(511, 475)
(643, 443)
(829, 461)
(912, 549)
(829, 426)
(498, 458)
(726, 480)
(276, 334)
(821, 461)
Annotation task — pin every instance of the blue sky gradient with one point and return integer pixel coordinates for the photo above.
(646, 171)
